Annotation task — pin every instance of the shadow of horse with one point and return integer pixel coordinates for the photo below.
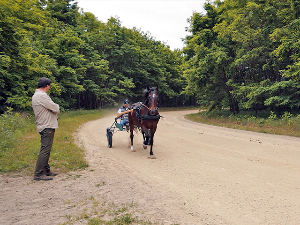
(145, 116)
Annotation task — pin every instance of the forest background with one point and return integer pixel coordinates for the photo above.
(240, 54)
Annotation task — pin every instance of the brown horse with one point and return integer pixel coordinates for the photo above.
(145, 116)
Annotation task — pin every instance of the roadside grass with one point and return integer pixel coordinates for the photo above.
(267, 122)
(101, 212)
(20, 142)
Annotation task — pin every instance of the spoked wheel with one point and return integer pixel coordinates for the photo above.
(109, 135)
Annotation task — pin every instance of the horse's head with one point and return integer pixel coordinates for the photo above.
(152, 99)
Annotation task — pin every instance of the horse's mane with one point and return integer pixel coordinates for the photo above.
(146, 93)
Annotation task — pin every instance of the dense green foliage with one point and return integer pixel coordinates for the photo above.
(93, 64)
(244, 54)
(240, 54)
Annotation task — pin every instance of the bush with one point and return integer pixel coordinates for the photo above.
(12, 126)
(20, 142)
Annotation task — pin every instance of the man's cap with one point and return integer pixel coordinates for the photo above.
(126, 101)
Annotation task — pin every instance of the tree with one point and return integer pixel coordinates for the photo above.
(237, 46)
(208, 61)
(21, 61)
(93, 64)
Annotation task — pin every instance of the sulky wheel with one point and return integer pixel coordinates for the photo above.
(109, 135)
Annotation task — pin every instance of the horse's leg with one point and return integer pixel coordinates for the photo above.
(145, 132)
(151, 141)
(131, 119)
(151, 146)
(131, 127)
(145, 142)
(131, 141)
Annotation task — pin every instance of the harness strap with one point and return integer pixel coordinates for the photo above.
(149, 117)
(145, 106)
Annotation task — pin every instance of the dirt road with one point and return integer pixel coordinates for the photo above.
(202, 175)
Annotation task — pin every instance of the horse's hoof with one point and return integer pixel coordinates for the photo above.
(151, 157)
(132, 149)
(145, 146)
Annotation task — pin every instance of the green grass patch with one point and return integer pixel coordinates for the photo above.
(101, 212)
(20, 142)
(266, 122)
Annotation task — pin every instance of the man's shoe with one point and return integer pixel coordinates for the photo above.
(52, 174)
(42, 177)
(119, 126)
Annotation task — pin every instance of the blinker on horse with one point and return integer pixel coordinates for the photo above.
(145, 116)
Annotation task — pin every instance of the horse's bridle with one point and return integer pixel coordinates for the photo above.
(147, 100)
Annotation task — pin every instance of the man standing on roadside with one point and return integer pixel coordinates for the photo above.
(45, 111)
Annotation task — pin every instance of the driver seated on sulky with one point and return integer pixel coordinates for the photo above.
(124, 117)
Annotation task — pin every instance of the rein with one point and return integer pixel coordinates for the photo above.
(149, 117)
(145, 106)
